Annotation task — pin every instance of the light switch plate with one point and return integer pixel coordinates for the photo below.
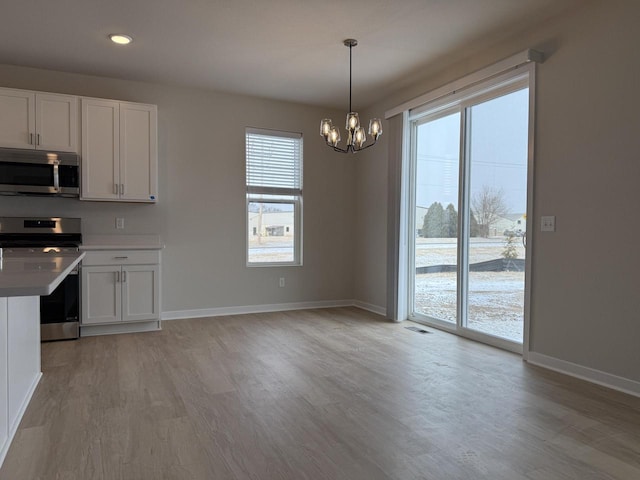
(119, 223)
(548, 223)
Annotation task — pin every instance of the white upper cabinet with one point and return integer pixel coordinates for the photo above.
(17, 118)
(100, 149)
(138, 152)
(119, 151)
(56, 122)
(42, 121)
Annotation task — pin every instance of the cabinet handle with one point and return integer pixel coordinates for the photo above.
(38, 139)
(31, 139)
(117, 277)
(122, 189)
(124, 276)
(120, 258)
(115, 188)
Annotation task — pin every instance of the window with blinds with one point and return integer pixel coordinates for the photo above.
(274, 161)
(274, 197)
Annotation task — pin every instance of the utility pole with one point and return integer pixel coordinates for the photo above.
(260, 223)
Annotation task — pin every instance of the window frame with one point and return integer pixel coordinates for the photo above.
(271, 194)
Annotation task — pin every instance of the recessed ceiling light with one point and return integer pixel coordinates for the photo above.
(120, 38)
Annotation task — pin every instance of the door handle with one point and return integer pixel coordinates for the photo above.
(56, 176)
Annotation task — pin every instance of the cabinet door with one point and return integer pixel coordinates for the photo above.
(56, 122)
(140, 292)
(23, 353)
(4, 393)
(101, 295)
(100, 149)
(17, 118)
(138, 152)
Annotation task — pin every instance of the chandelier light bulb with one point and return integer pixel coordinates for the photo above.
(375, 128)
(325, 127)
(359, 137)
(334, 136)
(353, 121)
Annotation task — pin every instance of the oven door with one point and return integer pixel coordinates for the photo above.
(59, 312)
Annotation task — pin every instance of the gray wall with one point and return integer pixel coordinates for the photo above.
(585, 300)
(201, 209)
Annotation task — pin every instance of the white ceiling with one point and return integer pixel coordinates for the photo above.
(282, 49)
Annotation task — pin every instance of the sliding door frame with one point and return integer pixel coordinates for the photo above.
(461, 101)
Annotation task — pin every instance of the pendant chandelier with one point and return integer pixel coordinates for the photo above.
(355, 133)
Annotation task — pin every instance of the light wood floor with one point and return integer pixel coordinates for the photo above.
(318, 394)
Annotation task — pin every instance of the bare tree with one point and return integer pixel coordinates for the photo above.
(488, 204)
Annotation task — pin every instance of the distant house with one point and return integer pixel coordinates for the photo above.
(510, 222)
(271, 224)
(420, 213)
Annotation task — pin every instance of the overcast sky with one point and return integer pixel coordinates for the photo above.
(498, 134)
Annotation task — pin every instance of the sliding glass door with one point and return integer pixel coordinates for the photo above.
(437, 162)
(469, 177)
(497, 132)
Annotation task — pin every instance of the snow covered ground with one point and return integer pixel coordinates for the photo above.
(496, 299)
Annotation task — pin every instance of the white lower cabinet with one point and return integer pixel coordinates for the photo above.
(4, 379)
(19, 362)
(120, 287)
(101, 295)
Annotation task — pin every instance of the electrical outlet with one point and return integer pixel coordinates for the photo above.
(281, 282)
(548, 223)
(119, 223)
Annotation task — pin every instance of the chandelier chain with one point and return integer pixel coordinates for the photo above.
(350, 74)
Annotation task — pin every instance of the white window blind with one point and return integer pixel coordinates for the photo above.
(274, 162)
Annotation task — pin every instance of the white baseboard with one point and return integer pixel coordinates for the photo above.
(370, 307)
(117, 328)
(23, 408)
(273, 307)
(592, 375)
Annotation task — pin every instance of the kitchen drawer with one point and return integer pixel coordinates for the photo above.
(122, 257)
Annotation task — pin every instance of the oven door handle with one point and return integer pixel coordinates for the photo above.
(56, 176)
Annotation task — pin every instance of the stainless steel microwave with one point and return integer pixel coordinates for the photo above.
(38, 172)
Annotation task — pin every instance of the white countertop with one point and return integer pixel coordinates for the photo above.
(31, 274)
(121, 242)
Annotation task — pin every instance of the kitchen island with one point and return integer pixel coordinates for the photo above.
(23, 279)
